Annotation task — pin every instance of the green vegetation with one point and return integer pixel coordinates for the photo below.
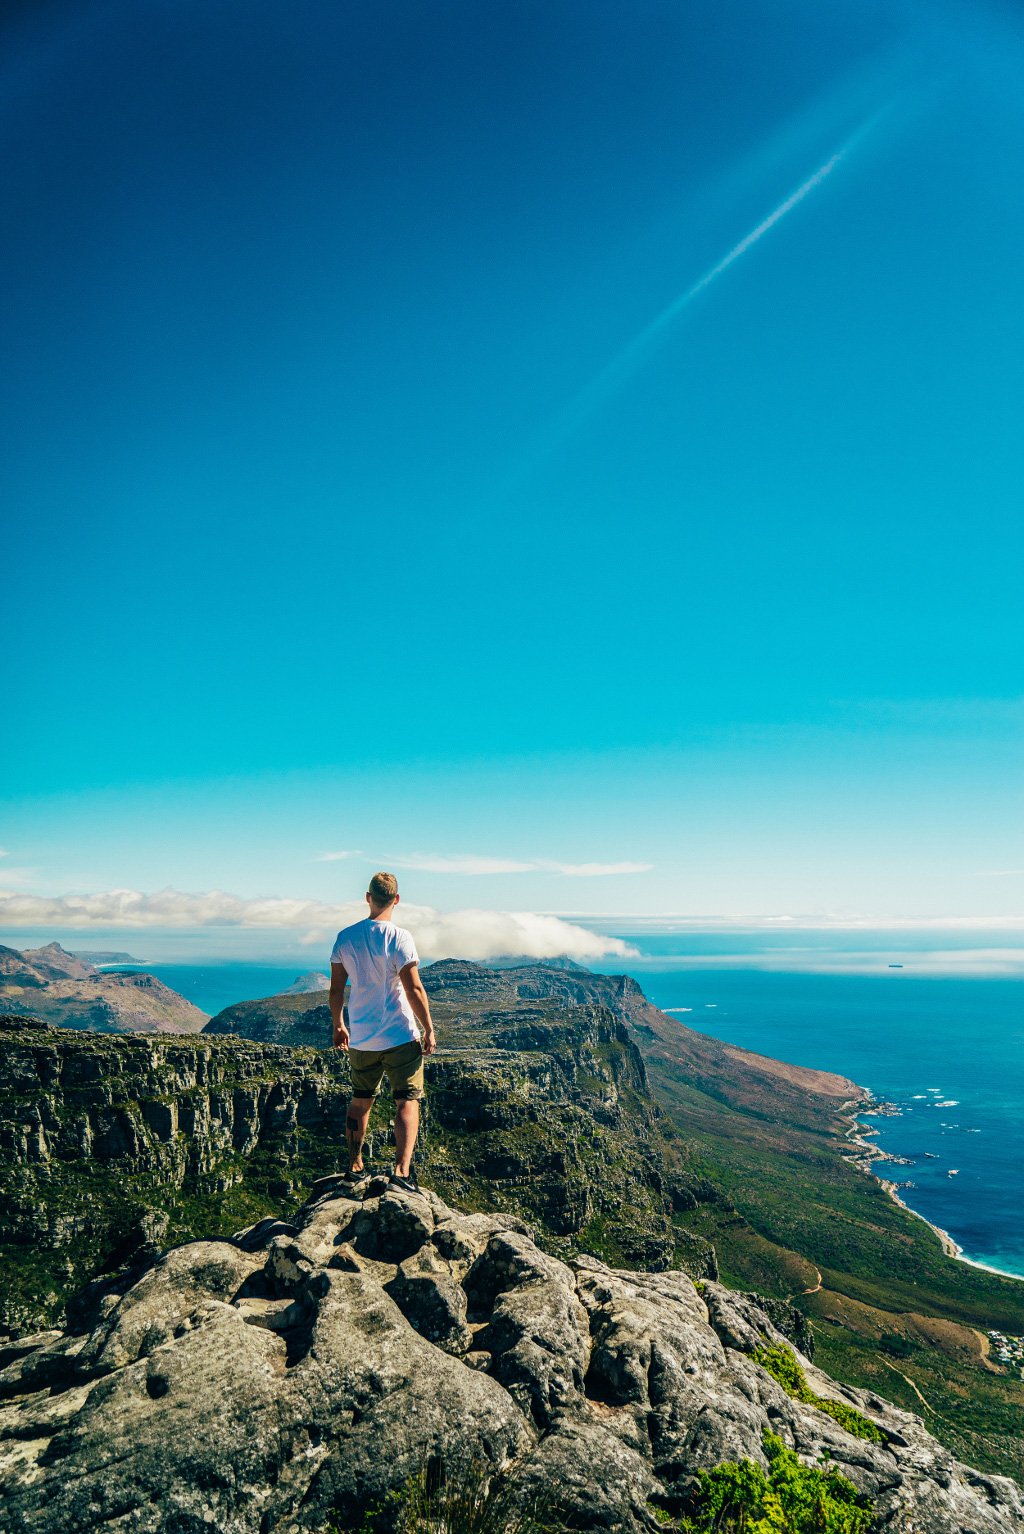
(201, 1137)
(778, 1361)
(791, 1498)
(469, 1503)
(784, 1199)
(974, 1411)
(898, 1347)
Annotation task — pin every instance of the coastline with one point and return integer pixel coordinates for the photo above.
(867, 1153)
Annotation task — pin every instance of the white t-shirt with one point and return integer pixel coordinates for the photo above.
(379, 1014)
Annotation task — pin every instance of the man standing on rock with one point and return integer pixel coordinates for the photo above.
(389, 1027)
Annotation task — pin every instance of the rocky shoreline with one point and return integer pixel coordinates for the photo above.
(867, 1154)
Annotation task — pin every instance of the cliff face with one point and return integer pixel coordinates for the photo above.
(111, 1143)
(467, 998)
(295, 1377)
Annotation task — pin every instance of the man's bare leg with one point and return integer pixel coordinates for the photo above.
(407, 1126)
(356, 1120)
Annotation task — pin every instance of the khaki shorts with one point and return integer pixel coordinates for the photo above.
(402, 1065)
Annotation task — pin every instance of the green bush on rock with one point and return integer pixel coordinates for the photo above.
(791, 1498)
(734, 1498)
(778, 1361)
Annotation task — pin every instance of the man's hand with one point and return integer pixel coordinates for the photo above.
(336, 1001)
(429, 1041)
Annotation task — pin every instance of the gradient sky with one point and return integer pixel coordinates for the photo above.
(371, 485)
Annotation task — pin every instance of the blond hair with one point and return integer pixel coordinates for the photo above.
(383, 889)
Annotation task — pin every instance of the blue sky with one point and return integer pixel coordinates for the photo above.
(370, 489)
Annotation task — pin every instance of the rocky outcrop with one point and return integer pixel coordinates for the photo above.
(299, 1018)
(290, 1378)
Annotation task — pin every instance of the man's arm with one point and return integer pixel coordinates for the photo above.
(339, 979)
(413, 986)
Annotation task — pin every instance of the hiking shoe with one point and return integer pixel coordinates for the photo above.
(407, 1184)
(353, 1179)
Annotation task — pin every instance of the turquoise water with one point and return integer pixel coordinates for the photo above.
(212, 987)
(947, 1051)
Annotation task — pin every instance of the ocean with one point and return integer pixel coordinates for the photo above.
(945, 1050)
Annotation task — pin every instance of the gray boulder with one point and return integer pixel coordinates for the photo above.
(289, 1380)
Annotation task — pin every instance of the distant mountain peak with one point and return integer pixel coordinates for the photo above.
(55, 963)
(305, 984)
(63, 989)
(105, 956)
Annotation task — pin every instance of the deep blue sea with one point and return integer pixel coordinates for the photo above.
(949, 1052)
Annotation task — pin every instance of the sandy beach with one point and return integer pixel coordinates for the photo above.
(949, 1246)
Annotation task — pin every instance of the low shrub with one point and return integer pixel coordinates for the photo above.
(896, 1346)
(780, 1362)
(790, 1498)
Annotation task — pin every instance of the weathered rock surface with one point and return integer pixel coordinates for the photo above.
(289, 1378)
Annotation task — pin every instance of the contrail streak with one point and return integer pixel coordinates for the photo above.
(615, 373)
(619, 369)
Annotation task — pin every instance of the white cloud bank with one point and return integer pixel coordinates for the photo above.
(470, 934)
(471, 863)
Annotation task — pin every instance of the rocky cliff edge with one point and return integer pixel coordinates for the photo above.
(290, 1378)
